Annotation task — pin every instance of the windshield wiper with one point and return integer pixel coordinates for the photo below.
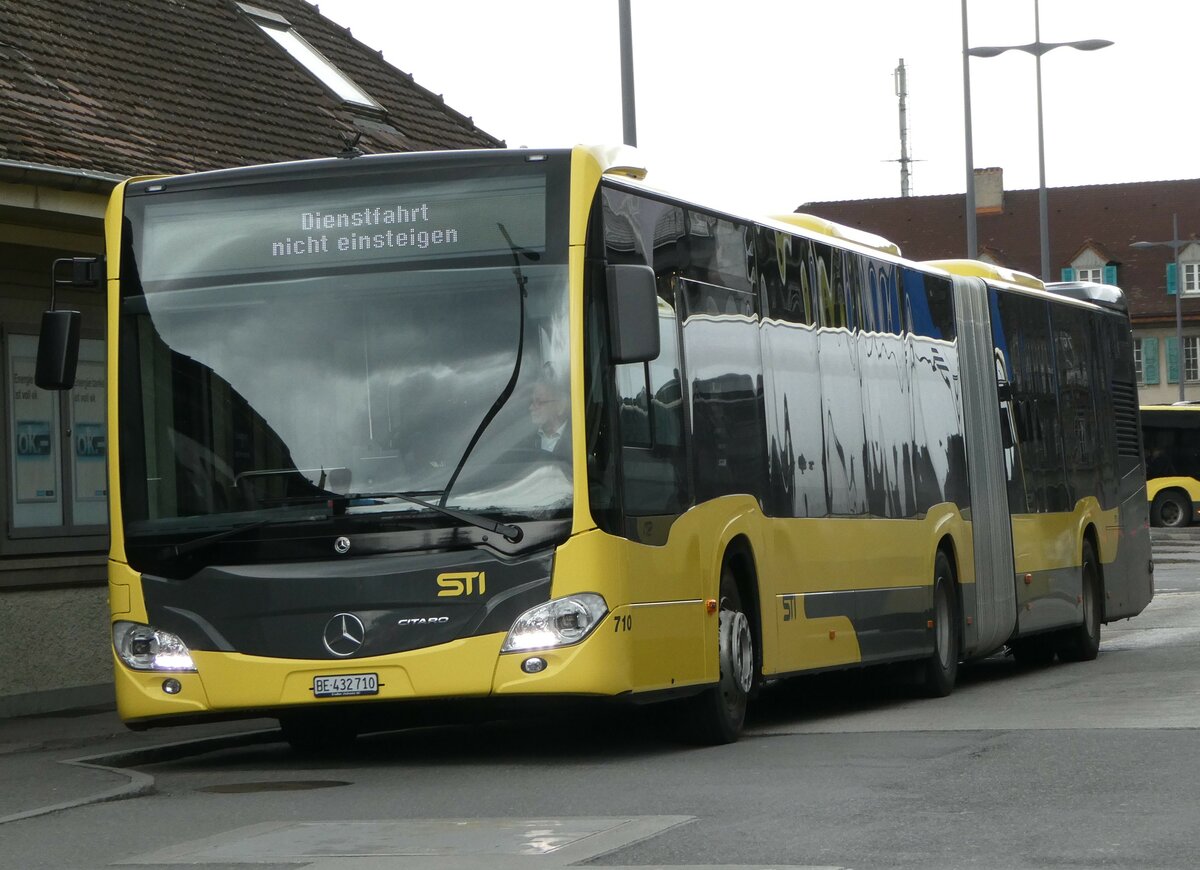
(510, 533)
(205, 540)
(507, 392)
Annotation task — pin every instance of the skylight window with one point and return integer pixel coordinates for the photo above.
(280, 29)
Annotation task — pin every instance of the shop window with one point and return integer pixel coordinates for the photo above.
(58, 469)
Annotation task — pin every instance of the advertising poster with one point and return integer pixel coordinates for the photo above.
(89, 437)
(37, 492)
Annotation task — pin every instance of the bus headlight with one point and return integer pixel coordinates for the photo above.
(145, 648)
(561, 622)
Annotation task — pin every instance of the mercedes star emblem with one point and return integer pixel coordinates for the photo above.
(344, 634)
(342, 545)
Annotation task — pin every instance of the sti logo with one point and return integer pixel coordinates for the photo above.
(461, 583)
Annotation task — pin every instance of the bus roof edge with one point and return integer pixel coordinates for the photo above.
(981, 269)
(618, 160)
(827, 227)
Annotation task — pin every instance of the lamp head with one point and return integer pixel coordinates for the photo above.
(1091, 44)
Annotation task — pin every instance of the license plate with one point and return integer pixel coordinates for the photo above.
(346, 684)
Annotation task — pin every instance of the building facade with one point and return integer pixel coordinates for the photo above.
(91, 94)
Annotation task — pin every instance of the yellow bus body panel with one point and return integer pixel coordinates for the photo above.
(636, 648)
(1046, 542)
(1190, 485)
(845, 554)
(227, 682)
(659, 634)
(112, 233)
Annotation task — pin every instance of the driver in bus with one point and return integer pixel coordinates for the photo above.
(548, 411)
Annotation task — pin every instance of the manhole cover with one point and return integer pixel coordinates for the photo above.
(277, 785)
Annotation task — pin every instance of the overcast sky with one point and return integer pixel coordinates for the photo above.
(760, 105)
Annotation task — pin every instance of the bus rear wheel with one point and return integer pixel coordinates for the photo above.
(716, 715)
(1082, 643)
(1171, 509)
(939, 672)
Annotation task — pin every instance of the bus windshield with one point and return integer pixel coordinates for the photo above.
(283, 347)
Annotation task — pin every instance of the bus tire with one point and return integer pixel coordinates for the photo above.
(939, 672)
(1171, 509)
(1082, 643)
(716, 715)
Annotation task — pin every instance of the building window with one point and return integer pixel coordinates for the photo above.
(1137, 362)
(1191, 278)
(280, 30)
(1191, 358)
(1094, 270)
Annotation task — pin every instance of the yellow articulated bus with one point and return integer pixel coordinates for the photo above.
(514, 426)
(1171, 434)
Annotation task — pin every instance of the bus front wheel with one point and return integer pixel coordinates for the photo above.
(717, 714)
(1172, 509)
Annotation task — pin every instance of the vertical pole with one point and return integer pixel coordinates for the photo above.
(628, 112)
(1043, 206)
(902, 93)
(969, 206)
(1175, 248)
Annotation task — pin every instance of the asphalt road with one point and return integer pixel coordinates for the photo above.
(1067, 766)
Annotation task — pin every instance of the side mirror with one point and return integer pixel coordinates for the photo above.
(632, 313)
(58, 343)
(58, 350)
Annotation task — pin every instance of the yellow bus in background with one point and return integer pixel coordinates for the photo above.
(1171, 434)
(513, 427)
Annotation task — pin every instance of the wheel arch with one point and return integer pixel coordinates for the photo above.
(1190, 486)
(739, 556)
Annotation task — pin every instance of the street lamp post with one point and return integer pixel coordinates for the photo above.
(628, 110)
(1037, 48)
(1175, 244)
(972, 239)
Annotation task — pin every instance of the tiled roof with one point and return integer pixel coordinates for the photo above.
(1108, 216)
(147, 86)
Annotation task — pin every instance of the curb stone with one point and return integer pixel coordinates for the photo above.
(139, 783)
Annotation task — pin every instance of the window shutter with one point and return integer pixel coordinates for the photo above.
(1170, 279)
(1110, 275)
(1172, 360)
(1149, 361)
(1068, 274)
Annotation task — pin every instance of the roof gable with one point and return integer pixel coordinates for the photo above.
(1092, 254)
(149, 86)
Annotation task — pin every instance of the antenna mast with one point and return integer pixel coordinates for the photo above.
(905, 160)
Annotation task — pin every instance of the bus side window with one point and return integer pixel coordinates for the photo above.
(831, 291)
(649, 396)
(651, 419)
(1025, 324)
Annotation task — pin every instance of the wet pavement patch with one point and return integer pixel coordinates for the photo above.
(276, 785)
(469, 844)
